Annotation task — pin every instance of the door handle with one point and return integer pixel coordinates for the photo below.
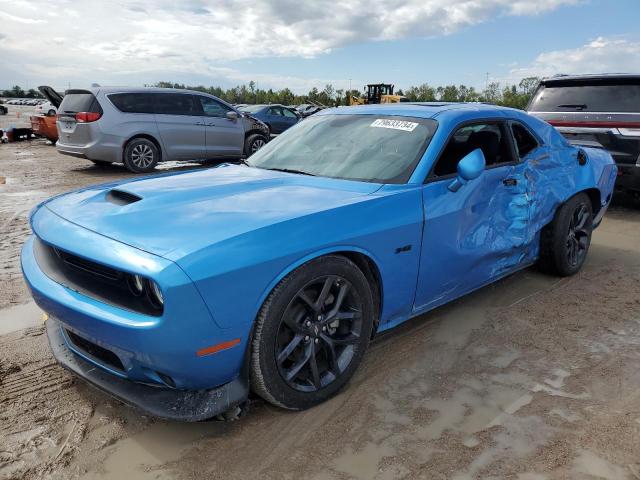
(510, 182)
(199, 123)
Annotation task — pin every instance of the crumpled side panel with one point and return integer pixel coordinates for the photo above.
(491, 226)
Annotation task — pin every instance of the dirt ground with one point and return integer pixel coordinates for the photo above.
(531, 378)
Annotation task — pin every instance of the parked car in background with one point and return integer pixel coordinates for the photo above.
(598, 111)
(277, 117)
(307, 109)
(180, 293)
(46, 108)
(43, 123)
(143, 126)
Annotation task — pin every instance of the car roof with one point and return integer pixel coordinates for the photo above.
(108, 90)
(590, 77)
(420, 109)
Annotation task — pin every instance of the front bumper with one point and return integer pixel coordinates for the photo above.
(138, 347)
(181, 405)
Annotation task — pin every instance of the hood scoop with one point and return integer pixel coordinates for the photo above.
(120, 197)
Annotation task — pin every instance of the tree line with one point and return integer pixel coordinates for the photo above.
(515, 96)
(19, 92)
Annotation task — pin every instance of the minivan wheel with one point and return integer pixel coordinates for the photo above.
(253, 143)
(141, 155)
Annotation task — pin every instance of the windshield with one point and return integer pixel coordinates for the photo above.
(251, 108)
(369, 148)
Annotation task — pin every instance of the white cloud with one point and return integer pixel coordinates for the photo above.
(601, 55)
(95, 39)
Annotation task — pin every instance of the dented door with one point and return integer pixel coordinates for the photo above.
(474, 235)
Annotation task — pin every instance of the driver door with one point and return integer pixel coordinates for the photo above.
(224, 137)
(478, 233)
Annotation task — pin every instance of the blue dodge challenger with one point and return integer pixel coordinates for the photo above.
(182, 293)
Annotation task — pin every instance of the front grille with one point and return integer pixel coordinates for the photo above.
(95, 351)
(90, 278)
(88, 266)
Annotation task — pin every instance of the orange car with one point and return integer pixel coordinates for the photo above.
(45, 125)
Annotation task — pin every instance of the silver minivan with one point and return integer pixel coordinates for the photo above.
(143, 126)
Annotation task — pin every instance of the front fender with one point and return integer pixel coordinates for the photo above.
(235, 276)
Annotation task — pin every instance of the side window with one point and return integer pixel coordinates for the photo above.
(489, 137)
(213, 108)
(289, 113)
(275, 111)
(132, 102)
(175, 104)
(525, 142)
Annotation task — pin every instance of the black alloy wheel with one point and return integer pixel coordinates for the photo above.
(317, 334)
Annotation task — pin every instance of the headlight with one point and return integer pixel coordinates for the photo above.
(155, 293)
(136, 284)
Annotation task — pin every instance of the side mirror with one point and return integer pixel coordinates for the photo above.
(470, 167)
(232, 115)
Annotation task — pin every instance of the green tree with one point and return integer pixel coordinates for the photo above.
(528, 85)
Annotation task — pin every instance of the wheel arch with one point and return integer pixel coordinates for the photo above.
(148, 137)
(253, 131)
(363, 259)
(594, 196)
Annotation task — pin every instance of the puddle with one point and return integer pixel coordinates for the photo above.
(558, 380)
(364, 464)
(589, 463)
(19, 317)
(28, 193)
(565, 415)
(139, 457)
(470, 411)
(504, 359)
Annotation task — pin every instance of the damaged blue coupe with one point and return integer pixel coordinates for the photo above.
(183, 293)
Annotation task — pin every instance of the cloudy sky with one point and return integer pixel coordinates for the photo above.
(306, 43)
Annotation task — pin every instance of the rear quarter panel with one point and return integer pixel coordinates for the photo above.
(554, 173)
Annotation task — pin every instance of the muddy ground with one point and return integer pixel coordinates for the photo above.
(531, 378)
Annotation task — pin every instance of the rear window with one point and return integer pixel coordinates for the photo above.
(132, 102)
(76, 101)
(607, 96)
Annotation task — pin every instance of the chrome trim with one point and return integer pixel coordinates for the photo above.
(615, 131)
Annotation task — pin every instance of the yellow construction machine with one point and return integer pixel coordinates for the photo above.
(377, 93)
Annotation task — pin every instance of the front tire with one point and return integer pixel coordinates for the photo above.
(311, 333)
(565, 241)
(253, 143)
(141, 155)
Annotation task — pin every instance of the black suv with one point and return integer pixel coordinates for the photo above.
(598, 111)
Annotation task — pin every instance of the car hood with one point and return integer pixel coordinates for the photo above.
(176, 214)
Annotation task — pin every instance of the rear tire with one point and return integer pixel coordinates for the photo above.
(311, 333)
(253, 143)
(51, 113)
(141, 155)
(565, 242)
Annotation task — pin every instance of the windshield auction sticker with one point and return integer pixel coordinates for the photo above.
(395, 124)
